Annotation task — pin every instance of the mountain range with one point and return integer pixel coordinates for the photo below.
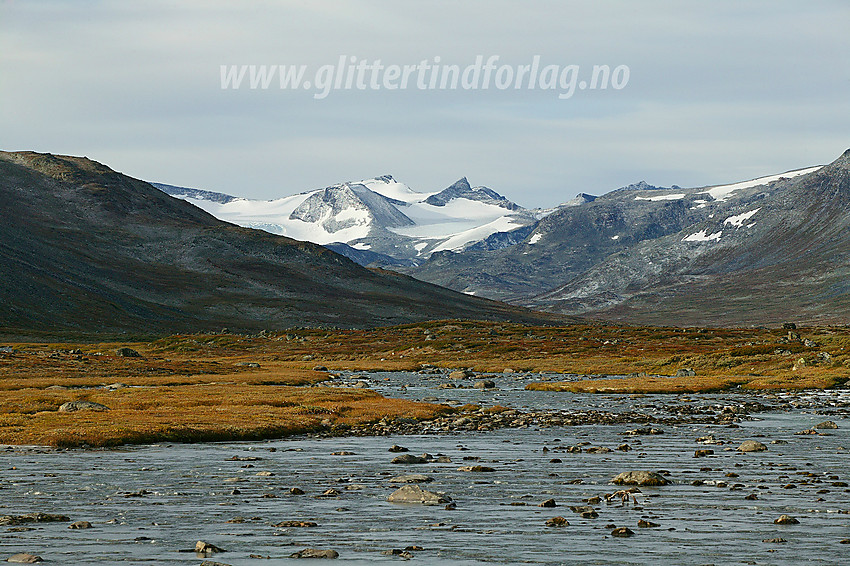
(760, 251)
(378, 221)
(86, 249)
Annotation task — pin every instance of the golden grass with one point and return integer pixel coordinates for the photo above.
(192, 413)
(188, 388)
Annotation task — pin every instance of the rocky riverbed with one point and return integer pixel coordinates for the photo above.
(702, 479)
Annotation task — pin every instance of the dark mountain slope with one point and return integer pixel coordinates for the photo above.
(783, 256)
(561, 246)
(87, 249)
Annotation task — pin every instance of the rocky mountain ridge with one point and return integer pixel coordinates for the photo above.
(86, 249)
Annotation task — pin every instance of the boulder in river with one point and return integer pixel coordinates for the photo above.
(751, 446)
(411, 478)
(207, 548)
(409, 459)
(586, 511)
(461, 374)
(644, 524)
(299, 524)
(80, 525)
(24, 558)
(12, 520)
(415, 494)
(315, 553)
(640, 477)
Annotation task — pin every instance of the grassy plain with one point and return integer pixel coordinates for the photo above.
(191, 388)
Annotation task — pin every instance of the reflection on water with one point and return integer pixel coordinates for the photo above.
(147, 503)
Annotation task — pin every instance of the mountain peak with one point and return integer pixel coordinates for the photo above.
(580, 199)
(461, 184)
(640, 186)
(349, 206)
(462, 189)
(843, 161)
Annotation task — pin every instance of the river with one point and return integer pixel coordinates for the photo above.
(148, 503)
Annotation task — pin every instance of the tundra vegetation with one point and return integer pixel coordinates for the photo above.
(226, 386)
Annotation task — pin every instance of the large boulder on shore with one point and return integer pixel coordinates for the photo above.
(127, 353)
(640, 477)
(74, 406)
(415, 494)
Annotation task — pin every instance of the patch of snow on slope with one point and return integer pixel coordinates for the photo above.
(272, 211)
(722, 192)
(701, 237)
(535, 238)
(390, 188)
(273, 216)
(675, 196)
(740, 219)
(458, 241)
(455, 216)
(359, 216)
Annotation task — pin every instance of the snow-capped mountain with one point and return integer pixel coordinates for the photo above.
(766, 250)
(573, 241)
(380, 220)
(760, 251)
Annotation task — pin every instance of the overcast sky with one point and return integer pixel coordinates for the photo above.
(716, 92)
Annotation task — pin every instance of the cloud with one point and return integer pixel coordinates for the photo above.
(716, 92)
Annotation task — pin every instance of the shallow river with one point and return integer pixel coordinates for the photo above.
(148, 503)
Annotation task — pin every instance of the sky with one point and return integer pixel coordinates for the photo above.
(705, 92)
